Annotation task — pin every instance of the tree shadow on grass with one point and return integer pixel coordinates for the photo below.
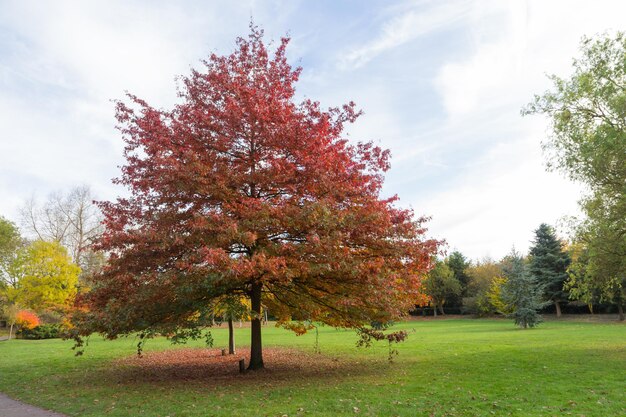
(209, 367)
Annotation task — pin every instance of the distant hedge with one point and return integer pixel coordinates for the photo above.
(43, 331)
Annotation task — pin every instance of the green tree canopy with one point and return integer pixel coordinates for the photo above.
(587, 113)
(599, 273)
(10, 241)
(579, 283)
(440, 285)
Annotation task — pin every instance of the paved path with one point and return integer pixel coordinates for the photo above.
(12, 408)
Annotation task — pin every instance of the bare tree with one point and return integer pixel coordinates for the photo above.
(45, 221)
(68, 218)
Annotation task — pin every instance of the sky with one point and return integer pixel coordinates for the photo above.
(441, 84)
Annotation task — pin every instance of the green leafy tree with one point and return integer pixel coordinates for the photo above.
(440, 285)
(45, 277)
(521, 292)
(600, 272)
(587, 112)
(10, 242)
(580, 284)
(548, 263)
(604, 234)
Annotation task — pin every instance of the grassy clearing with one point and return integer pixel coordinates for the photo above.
(447, 367)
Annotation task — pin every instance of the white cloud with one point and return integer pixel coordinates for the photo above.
(406, 27)
(500, 200)
(528, 40)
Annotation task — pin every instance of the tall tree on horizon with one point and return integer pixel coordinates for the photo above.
(240, 191)
(548, 263)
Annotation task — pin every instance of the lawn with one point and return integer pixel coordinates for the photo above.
(461, 367)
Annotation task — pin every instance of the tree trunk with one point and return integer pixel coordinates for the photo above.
(231, 337)
(256, 348)
(590, 308)
(557, 304)
(11, 331)
(620, 310)
(435, 309)
(443, 313)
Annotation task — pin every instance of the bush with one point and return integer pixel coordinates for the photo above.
(26, 319)
(43, 331)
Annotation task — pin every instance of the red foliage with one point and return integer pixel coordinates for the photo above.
(26, 319)
(238, 188)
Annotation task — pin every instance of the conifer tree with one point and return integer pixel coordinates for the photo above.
(521, 292)
(548, 264)
(459, 264)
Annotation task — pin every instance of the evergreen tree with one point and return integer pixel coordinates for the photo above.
(548, 264)
(459, 264)
(521, 293)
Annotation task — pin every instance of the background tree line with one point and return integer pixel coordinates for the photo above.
(554, 274)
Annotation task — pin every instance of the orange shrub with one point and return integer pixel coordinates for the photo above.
(26, 319)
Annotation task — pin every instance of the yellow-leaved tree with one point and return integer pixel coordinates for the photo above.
(45, 277)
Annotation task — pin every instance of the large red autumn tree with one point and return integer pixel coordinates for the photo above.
(241, 191)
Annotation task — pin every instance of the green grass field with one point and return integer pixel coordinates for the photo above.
(461, 367)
